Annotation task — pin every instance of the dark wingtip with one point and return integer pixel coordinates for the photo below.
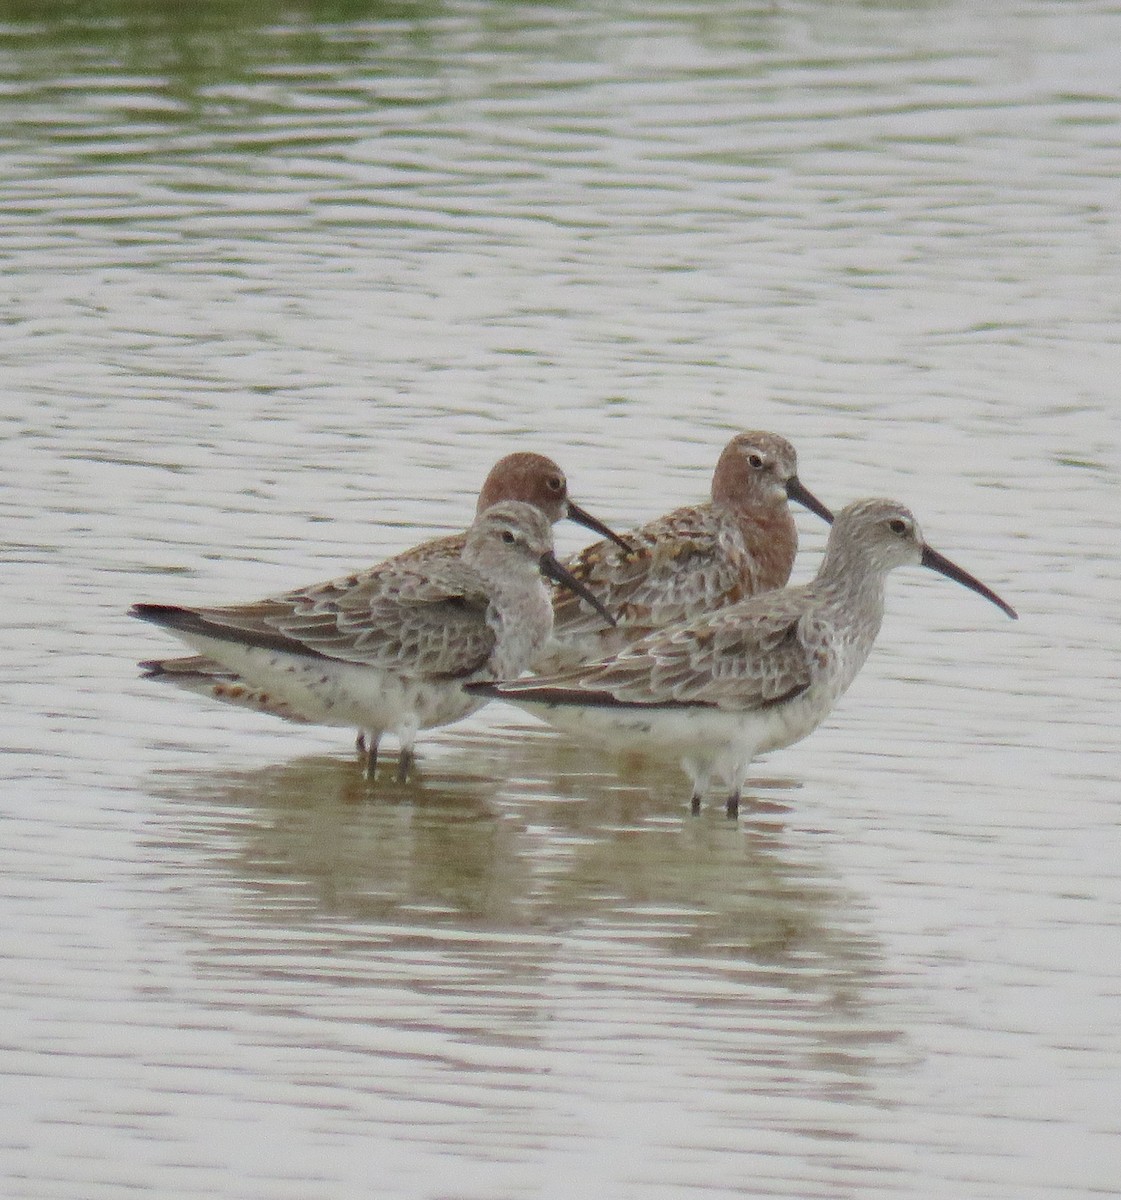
(158, 614)
(170, 616)
(190, 622)
(555, 692)
(483, 688)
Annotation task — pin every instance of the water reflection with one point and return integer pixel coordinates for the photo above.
(448, 838)
(549, 851)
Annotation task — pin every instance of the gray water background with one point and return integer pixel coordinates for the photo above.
(280, 282)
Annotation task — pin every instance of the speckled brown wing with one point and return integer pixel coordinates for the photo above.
(447, 547)
(742, 657)
(678, 566)
(418, 624)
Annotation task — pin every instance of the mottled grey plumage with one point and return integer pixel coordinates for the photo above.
(387, 651)
(758, 675)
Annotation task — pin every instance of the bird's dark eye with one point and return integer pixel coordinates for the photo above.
(554, 483)
(897, 526)
(756, 461)
(508, 537)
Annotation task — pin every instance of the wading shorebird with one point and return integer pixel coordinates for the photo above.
(759, 675)
(523, 476)
(390, 651)
(690, 561)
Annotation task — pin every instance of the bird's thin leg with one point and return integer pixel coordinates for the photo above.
(368, 745)
(405, 732)
(699, 775)
(737, 776)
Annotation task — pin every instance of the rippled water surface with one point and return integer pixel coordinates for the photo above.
(281, 281)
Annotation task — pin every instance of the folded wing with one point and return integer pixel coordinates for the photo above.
(430, 624)
(747, 656)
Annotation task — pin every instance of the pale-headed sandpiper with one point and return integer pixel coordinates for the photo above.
(714, 692)
(390, 650)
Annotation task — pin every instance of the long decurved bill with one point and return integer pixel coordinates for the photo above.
(552, 569)
(797, 490)
(941, 564)
(583, 517)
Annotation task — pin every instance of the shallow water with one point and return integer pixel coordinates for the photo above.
(281, 283)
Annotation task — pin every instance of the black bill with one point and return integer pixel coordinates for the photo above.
(582, 517)
(797, 490)
(941, 564)
(552, 569)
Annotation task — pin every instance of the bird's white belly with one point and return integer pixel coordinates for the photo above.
(674, 734)
(385, 701)
(665, 733)
(330, 692)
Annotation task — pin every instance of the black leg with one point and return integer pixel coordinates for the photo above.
(695, 804)
(369, 751)
(732, 806)
(405, 762)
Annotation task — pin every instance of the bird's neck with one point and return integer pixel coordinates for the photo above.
(850, 590)
(521, 614)
(770, 542)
